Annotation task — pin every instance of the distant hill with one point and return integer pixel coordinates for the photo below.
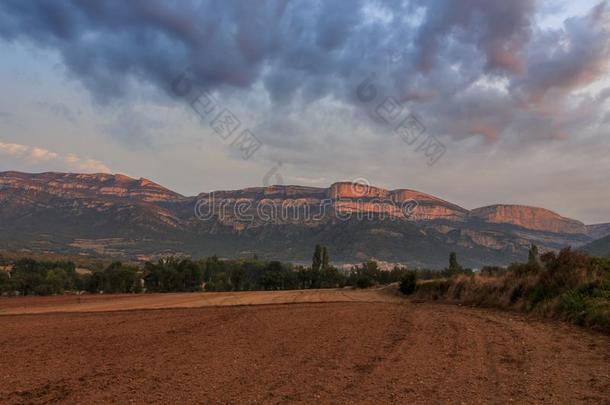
(600, 247)
(598, 231)
(118, 216)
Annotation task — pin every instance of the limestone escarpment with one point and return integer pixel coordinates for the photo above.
(539, 219)
(69, 185)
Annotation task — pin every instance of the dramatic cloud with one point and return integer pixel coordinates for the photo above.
(316, 49)
(35, 156)
(482, 75)
(563, 60)
(499, 29)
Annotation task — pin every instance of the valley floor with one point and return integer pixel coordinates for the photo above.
(356, 347)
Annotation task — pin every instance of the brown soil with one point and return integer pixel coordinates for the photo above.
(339, 352)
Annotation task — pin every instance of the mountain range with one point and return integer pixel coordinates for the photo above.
(123, 217)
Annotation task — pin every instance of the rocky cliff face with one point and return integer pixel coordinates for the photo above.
(533, 218)
(69, 185)
(92, 203)
(355, 190)
(124, 216)
(430, 208)
(340, 199)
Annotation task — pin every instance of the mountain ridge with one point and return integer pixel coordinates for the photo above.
(138, 217)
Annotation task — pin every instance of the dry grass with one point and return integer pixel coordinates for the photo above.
(569, 286)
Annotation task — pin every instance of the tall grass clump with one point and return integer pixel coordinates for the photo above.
(568, 285)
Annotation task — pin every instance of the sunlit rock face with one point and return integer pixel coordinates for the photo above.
(357, 191)
(402, 203)
(429, 207)
(539, 219)
(71, 185)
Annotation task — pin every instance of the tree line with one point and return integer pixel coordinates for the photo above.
(45, 277)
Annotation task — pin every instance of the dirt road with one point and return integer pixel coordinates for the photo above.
(340, 352)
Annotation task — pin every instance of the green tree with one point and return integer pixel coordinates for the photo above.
(314, 276)
(212, 265)
(57, 281)
(152, 279)
(330, 277)
(325, 259)
(28, 275)
(454, 266)
(533, 257)
(6, 285)
(316, 262)
(274, 277)
(366, 275)
(192, 275)
(303, 277)
(238, 277)
(119, 278)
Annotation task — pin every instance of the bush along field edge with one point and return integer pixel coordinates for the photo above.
(567, 285)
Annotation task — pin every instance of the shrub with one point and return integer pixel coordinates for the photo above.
(572, 304)
(492, 271)
(364, 282)
(433, 289)
(408, 283)
(523, 269)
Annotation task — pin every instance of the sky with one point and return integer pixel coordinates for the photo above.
(475, 101)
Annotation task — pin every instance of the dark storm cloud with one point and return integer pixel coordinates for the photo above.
(498, 28)
(469, 67)
(563, 60)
